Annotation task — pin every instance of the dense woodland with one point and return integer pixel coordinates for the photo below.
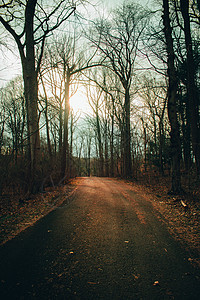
(139, 68)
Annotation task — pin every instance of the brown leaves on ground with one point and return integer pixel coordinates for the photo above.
(17, 214)
(182, 221)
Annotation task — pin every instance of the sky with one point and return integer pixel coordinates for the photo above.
(10, 65)
(113, 3)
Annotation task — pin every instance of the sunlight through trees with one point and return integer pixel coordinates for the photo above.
(105, 93)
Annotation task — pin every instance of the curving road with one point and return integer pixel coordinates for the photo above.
(105, 242)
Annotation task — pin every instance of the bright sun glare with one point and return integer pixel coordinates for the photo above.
(79, 103)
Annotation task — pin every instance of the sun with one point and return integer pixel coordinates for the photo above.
(79, 103)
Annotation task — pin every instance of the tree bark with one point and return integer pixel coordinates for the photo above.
(161, 144)
(172, 104)
(127, 137)
(100, 146)
(26, 45)
(47, 120)
(193, 101)
(106, 150)
(112, 146)
(89, 139)
(31, 96)
(60, 129)
(65, 146)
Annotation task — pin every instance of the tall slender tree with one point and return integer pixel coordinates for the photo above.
(172, 102)
(193, 95)
(118, 41)
(30, 24)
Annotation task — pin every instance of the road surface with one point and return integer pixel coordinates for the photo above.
(105, 242)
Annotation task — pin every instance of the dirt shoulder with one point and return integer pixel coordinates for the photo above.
(180, 213)
(182, 221)
(17, 214)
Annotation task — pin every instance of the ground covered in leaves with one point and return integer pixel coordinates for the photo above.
(180, 213)
(17, 213)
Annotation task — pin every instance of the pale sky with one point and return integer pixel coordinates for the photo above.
(10, 65)
(113, 3)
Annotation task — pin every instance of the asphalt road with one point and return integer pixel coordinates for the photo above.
(105, 242)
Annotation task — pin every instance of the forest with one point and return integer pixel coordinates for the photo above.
(137, 66)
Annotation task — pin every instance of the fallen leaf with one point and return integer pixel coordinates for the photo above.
(136, 277)
(190, 259)
(89, 282)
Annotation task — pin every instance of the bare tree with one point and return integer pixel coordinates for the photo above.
(45, 109)
(30, 24)
(74, 118)
(118, 41)
(193, 101)
(154, 95)
(64, 64)
(172, 102)
(16, 116)
(95, 99)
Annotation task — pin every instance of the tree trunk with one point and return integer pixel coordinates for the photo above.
(31, 96)
(101, 160)
(145, 145)
(106, 150)
(2, 133)
(60, 129)
(161, 139)
(47, 120)
(71, 146)
(172, 104)
(186, 135)
(122, 151)
(65, 146)
(193, 101)
(161, 144)
(127, 137)
(112, 147)
(88, 156)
